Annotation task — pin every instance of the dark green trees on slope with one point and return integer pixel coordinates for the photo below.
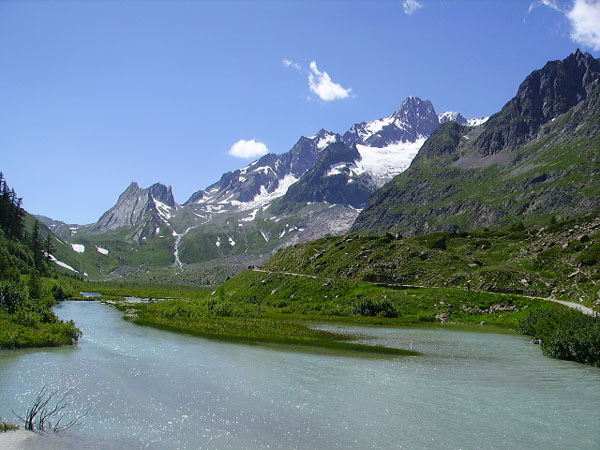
(12, 215)
(538, 157)
(25, 298)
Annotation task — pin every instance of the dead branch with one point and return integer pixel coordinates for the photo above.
(48, 410)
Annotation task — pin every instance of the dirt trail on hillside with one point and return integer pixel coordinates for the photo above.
(583, 309)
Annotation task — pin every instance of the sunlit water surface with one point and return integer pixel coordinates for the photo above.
(146, 388)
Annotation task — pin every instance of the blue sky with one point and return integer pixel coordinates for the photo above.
(96, 94)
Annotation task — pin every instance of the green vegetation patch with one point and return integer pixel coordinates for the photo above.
(28, 322)
(565, 334)
(221, 321)
(4, 427)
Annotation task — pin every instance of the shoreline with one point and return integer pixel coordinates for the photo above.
(15, 440)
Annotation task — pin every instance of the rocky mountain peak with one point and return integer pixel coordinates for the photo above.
(558, 86)
(453, 116)
(163, 194)
(412, 103)
(414, 110)
(544, 95)
(135, 203)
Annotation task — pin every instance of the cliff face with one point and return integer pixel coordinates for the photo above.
(544, 95)
(135, 205)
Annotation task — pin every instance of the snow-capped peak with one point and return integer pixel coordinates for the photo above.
(325, 139)
(453, 116)
(477, 122)
(367, 129)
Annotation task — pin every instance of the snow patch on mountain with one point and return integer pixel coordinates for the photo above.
(264, 169)
(385, 163)
(265, 234)
(164, 211)
(337, 169)
(452, 116)
(62, 264)
(371, 128)
(265, 197)
(328, 138)
(477, 122)
(78, 248)
(251, 217)
(102, 250)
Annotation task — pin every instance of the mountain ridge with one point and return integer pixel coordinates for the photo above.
(461, 179)
(315, 189)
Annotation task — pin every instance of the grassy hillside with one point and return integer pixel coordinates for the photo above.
(562, 260)
(26, 297)
(27, 287)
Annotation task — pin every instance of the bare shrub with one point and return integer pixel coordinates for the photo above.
(48, 411)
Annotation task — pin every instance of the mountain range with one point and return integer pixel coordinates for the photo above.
(414, 171)
(315, 189)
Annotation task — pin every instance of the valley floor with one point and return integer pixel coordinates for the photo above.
(268, 308)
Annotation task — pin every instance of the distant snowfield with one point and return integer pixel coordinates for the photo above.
(477, 122)
(251, 217)
(102, 250)
(326, 140)
(265, 197)
(375, 127)
(385, 163)
(78, 248)
(164, 211)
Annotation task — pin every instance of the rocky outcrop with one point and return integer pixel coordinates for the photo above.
(329, 181)
(544, 95)
(137, 205)
(414, 119)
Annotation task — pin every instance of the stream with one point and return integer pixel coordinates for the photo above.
(151, 389)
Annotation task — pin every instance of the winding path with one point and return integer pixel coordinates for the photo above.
(572, 305)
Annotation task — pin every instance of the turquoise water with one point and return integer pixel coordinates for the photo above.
(152, 389)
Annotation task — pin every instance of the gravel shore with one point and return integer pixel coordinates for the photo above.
(15, 440)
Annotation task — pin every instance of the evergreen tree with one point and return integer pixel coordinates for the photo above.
(36, 244)
(4, 210)
(17, 218)
(35, 287)
(48, 248)
(12, 215)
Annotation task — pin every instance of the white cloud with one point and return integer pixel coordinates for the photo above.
(585, 23)
(248, 149)
(320, 83)
(410, 6)
(551, 3)
(584, 18)
(287, 63)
